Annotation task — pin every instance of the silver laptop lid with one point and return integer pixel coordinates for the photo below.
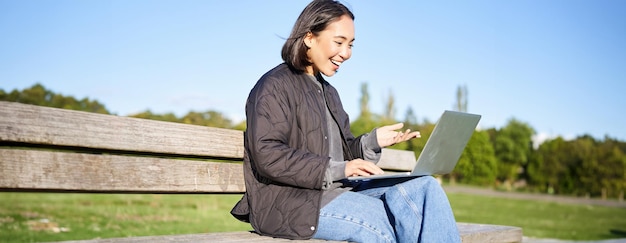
(446, 144)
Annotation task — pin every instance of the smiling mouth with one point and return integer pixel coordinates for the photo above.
(337, 63)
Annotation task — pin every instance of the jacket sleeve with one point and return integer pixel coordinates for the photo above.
(369, 145)
(268, 134)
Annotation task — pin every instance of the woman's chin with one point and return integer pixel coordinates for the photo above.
(329, 73)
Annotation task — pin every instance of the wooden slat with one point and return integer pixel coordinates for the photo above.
(52, 126)
(393, 159)
(489, 233)
(470, 233)
(230, 237)
(57, 171)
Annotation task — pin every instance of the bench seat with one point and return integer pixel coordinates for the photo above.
(482, 233)
(46, 149)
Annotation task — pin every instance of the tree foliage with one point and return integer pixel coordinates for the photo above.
(553, 168)
(39, 95)
(513, 148)
(477, 165)
(461, 98)
(583, 167)
(366, 121)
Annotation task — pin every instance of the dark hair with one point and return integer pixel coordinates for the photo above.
(314, 18)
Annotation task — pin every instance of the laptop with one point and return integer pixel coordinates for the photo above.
(442, 150)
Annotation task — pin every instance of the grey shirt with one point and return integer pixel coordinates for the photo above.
(333, 186)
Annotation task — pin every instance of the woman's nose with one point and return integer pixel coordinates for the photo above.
(345, 53)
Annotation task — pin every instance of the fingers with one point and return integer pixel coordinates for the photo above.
(415, 134)
(400, 136)
(393, 127)
(359, 167)
(406, 135)
(388, 135)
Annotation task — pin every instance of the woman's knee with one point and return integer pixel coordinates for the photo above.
(343, 219)
(427, 181)
(418, 188)
(354, 228)
(432, 182)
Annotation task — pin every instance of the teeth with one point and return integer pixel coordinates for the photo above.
(336, 62)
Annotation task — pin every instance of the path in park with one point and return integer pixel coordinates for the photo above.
(542, 197)
(534, 196)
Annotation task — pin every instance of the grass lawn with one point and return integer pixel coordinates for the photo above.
(541, 219)
(38, 217)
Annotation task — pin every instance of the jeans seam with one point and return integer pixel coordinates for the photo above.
(407, 199)
(352, 220)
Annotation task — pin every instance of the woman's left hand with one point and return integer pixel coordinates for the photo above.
(387, 135)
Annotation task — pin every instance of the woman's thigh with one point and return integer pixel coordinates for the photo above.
(355, 217)
(418, 208)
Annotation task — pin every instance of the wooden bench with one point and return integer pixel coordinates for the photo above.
(55, 150)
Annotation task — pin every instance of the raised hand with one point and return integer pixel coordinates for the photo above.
(387, 135)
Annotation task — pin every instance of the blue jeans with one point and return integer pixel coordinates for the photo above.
(390, 210)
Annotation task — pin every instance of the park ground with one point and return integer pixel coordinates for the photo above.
(541, 197)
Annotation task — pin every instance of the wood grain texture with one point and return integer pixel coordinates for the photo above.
(230, 237)
(470, 233)
(52, 126)
(23, 170)
(489, 233)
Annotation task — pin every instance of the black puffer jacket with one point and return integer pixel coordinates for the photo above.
(286, 152)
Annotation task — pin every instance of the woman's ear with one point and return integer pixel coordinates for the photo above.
(308, 39)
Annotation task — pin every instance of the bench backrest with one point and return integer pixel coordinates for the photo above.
(51, 149)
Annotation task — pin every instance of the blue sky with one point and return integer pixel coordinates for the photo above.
(557, 65)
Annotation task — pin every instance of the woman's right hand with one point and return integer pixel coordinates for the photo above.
(359, 167)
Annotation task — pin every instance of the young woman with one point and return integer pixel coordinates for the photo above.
(299, 150)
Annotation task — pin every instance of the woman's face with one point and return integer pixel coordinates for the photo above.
(331, 47)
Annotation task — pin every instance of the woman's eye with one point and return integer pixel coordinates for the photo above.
(339, 43)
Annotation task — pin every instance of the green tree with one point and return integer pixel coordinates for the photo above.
(612, 173)
(602, 171)
(390, 109)
(584, 166)
(477, 165)
(366, 121)
(410, 122)
(39, 95)
(241, 126)
(418, 144)
(207, 118)
(168, 117)
(553, 167)
(461, 98)
(513, 147)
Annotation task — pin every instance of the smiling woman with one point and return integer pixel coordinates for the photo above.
(299, 150)
(331, 47)
(318, 38)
